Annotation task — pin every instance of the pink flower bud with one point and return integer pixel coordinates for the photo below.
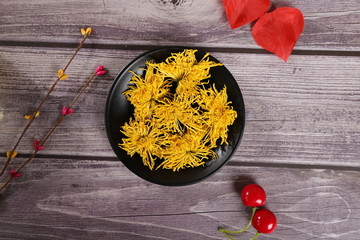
(66, 111)
(14, 174)
(99, 68)
(63, 111)
(37, 145)
(69, 111)
(99, 73)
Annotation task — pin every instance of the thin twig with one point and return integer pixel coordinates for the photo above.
(27, 127)
(82, 90)
(76, 51)
(42, 142)
(40, 105)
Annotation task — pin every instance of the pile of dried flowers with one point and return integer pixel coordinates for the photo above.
(181, 126)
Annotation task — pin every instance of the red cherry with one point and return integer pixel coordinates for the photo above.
(264, 221)
(253, 195)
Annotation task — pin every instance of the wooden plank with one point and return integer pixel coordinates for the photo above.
(301, 112)
(72, 199)
(330, 25)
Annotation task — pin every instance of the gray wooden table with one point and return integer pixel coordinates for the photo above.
(301, 140)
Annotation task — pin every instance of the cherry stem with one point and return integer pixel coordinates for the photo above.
(227, 235)
(256, 235)
(245, 228)
(225, 232)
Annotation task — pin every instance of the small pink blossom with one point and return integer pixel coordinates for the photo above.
(37, 145)
(99, 73)
(66, 111)
(14, 174)
(100, 70)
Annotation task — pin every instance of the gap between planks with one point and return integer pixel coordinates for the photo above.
(230, 163)
(150, 47)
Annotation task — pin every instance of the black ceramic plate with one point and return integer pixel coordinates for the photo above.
(119, 110)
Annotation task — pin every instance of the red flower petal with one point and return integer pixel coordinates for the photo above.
(241, 12)
(279, 31)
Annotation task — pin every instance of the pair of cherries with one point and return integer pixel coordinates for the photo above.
(263, 220)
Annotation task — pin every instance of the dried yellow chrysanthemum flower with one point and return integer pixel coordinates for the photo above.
(176, 116)
(185, 151)
(179, 65)
(179, 118)
(146, 92)
(144, 139)
(218, 113)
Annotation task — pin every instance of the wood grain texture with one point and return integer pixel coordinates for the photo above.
(73, 199)
(301, 140)
(329, 25)
(302, 112)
